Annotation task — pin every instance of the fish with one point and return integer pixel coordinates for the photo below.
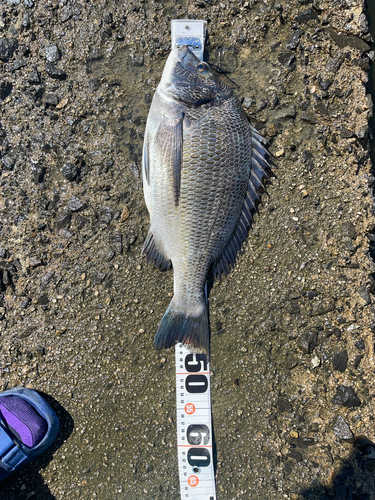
(204, 167)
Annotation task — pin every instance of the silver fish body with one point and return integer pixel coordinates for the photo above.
(203, 165)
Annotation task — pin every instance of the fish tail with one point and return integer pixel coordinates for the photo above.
(190, 327)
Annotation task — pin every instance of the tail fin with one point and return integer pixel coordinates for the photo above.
(188, 328)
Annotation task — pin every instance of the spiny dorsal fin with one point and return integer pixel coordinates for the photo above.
(259, 172)
(153, 254)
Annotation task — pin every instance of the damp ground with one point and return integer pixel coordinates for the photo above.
(292, 326)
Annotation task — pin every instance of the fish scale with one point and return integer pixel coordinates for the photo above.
(200, 178)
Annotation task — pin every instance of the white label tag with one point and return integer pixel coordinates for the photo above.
(194, 428)
(191, 32)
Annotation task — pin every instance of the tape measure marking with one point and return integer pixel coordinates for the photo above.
(194, 427)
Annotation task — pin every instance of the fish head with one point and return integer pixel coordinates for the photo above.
(189, 80)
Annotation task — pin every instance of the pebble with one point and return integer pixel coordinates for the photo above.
(54, 72)
(284, 113)
(315, 362)
(280, 153)
(364, 293)
(75, 205)
(342, 430)
(345, 396)
(35, 77)
(62, 103)
(125, 214)
(340, 361)
(8, 161)
(294, 42)
(69, 171)
(308, 341)
(334, 64)
(115, 240)
(7, 48)
(283, 405)
(52, 53)
(63, 219)
(360, 344)
(307, 15)
(52, 99)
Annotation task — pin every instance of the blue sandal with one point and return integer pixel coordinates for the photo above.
(28, 426)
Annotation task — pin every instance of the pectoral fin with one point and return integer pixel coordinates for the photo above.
(146, 159)
(169, 142)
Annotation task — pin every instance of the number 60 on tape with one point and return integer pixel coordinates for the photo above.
(194, 429)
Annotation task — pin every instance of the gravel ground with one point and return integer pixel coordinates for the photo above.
(292, 355)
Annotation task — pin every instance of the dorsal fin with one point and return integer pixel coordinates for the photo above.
(260, 171)
(153, 254)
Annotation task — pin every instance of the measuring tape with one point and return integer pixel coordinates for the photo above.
(194, 428)
(193, 394)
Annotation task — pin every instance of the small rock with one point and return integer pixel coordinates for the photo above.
(124, 214)
(98, 277)
(309, 117)
(7, 48)
(52, 53)
(43, 300)
(248, 102)
(307, 15)
(55, 73)
(69, 171)
(29, 3)
(296, 455)
(346, 133)
(291, 362)
(324, 84)
(105, 216)
(75, 205)
(8, 161)
(364, 293)
(47, 278)
(360, 345)
(284, 113)
(294, 42)
(62, 103)
(115, 241)
(52, 99)
(315, 362)
(109, 254)
(283, 405)
(342, 430)
(308, 341)
(5, 89)
(286, 58)
(38, 172)
(63, 219)
(311, 294)
(81, 222)
(34, 262)
(66, 233)
(280, 153)
(345, 396)
(35, 77)
(340, 361)
(334, 64)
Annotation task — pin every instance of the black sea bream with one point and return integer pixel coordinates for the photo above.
(203, 165)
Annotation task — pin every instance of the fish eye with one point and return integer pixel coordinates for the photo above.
(202, 67)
